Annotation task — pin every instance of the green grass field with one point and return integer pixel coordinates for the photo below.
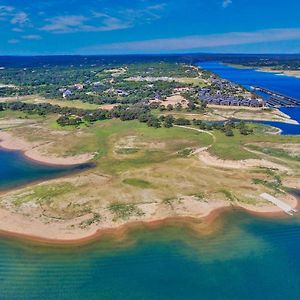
(137, 165)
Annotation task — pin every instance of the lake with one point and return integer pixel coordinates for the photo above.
(246, 258)
(16, 170)
(286, 85)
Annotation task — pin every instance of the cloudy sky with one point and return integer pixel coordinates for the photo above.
(148, 26)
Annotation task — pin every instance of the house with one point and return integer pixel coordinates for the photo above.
(224, 102)
(158, 96)
(254, 103)
(122, 93)
(78, 86)
(67, 93)
(235, 103)
(97, 83)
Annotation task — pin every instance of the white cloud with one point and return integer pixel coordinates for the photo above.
(80, 23)
(10, 14)
(200, 42)
(226, 3)
(102, 21)
(13, 41)
(63, 24)
(149, 13)
(32, 37)
(20, 18)
(6, 10)
(16, 29)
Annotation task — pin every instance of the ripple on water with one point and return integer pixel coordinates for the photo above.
(246, 258)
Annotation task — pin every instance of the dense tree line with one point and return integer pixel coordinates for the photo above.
(226, 127)
(141, 112)
(76, 116)
(48, 81)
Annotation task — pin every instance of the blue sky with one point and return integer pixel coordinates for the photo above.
(30, 27)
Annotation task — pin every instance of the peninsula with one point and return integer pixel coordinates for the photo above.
(163, 148)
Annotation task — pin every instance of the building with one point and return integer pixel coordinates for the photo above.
(78, 86)
(67, 93)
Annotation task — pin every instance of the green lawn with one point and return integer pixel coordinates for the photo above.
(137, 182)
(12, 114)
(233, 148)
(230, 147)
(107, 133)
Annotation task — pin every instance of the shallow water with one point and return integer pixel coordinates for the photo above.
(286, 85)
(16, 170)
(246, 258)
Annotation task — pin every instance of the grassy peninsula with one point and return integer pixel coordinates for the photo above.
(156, 156)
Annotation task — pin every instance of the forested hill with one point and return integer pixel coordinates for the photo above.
(291, 60)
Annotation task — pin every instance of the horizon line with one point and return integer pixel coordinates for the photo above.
(148, 54)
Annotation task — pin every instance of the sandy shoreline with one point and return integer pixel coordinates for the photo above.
(42, 229)
(34, 151)
(279, 72)
(290, 73)
(214, 161)
(279, 116)
(13, 225)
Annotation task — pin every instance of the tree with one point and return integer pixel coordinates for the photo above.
(197, 122)
(69, 121)
(229, 132)
(203, 126)
(178, 106)
(144, 118)
(191, 105)
(169, 120)
(153, 122)
(170, 107)
(182, 121)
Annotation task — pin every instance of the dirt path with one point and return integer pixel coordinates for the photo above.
(197, 151)
(213, 161)
(199, 130)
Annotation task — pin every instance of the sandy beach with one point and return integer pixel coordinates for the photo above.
(275, 116)
(292, 73)
(213, 161)
(36, 151)
(29, 221)
(31, 228)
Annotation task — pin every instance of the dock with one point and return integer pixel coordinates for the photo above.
(279, 203)
(277, 99)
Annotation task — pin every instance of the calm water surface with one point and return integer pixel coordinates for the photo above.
(247, 258)
(16, 170)
(286, 85)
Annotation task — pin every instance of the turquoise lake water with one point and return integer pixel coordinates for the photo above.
(247, 258)
(15, 170)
